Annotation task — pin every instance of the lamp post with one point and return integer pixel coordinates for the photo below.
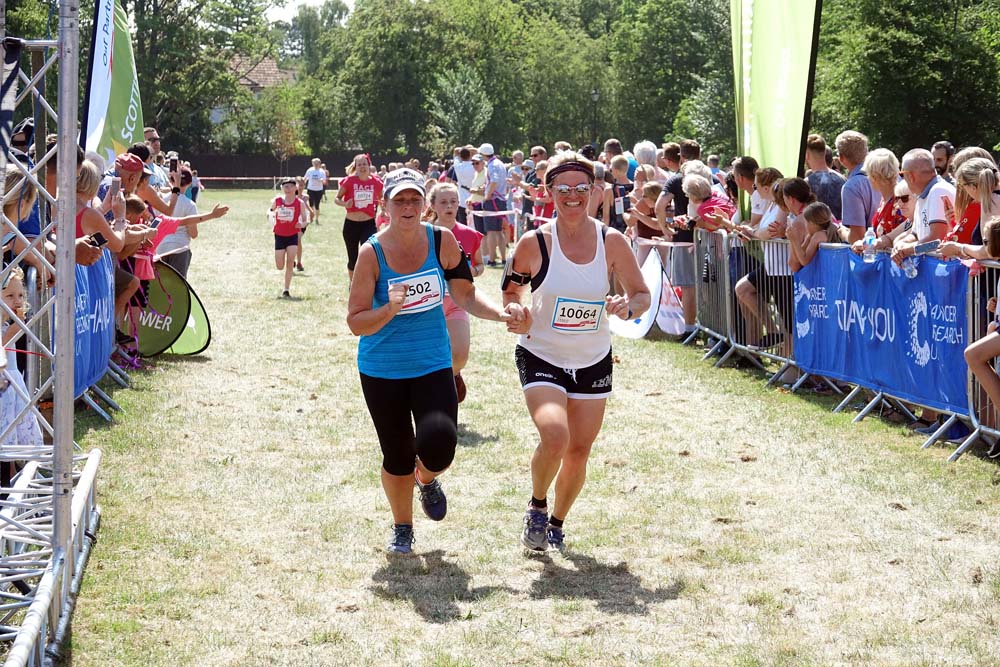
(595, 95)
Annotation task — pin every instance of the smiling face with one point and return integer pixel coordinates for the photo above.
(572, 204)
(361, 167)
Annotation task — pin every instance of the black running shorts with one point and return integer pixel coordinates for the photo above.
(590, 382)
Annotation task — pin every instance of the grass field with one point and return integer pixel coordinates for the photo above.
(722, 523)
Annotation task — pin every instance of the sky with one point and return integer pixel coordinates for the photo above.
(291, 8)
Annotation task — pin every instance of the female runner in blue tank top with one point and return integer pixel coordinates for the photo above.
(404, 355)
(564, 361)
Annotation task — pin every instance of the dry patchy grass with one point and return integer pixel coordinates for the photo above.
(722, 523)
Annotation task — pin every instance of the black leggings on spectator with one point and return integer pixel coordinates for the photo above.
(356, 233)
(430, 401)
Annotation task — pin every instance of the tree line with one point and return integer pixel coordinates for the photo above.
(419, 76)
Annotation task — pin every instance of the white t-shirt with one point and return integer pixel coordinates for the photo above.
(464, 174)
(315, 178)
(181, 237)
(757, 206)
(931, 208)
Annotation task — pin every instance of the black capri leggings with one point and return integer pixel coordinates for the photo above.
(430, 401)
(356, 233)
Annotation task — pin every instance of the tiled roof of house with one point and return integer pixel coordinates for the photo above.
(260, 73)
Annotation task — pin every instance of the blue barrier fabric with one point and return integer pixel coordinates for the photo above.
(869, 324)
(95, 315)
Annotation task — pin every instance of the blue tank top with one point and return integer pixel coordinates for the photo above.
(415, 342)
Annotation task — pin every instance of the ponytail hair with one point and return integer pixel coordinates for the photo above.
(982, 174)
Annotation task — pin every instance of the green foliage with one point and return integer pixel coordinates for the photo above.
(908, 73)
(399, 75)
(460, 106)
(183, 50)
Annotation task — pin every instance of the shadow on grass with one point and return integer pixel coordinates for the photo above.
(613, 588)
(433, 585)
(470, 438)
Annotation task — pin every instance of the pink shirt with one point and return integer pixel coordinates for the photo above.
(364, 195)
(468, 238)
(143, 259)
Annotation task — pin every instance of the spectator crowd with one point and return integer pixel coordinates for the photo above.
(932, 198)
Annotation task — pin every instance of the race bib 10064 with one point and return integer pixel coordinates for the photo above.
(576, 316)
(424, 291)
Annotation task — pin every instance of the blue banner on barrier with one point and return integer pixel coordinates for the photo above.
(871, 325)
(95, 315)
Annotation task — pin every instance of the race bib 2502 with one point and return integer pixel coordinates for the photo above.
(424, 291)
(576, 316)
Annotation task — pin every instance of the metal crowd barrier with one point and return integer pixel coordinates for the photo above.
(713, 291)
(983, 415)
(741, 326)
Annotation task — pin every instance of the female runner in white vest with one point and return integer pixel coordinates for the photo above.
(564, 361)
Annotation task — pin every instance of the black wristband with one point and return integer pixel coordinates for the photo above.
(175, 191)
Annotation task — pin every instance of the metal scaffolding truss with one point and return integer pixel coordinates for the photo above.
(48, 510)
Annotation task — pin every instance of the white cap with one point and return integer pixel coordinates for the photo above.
(486, 149)
(403, 179)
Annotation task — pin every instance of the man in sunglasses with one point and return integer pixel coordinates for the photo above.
(934, 197)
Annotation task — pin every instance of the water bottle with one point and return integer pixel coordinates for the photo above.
(869, 246)
(270, 218)
(909, 267)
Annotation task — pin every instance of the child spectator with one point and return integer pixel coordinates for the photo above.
(13, 399)
(819, 223)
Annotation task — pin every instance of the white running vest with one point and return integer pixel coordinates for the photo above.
(569, 327)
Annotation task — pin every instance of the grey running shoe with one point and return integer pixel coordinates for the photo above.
(432, 499)
(533, 535)
(402, 539)
(554, 536)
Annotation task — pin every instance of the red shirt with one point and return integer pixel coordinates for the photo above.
(287, 216)
(716, 204)
(364, 195)
(887, 217)
(469, 239)
(965, 224)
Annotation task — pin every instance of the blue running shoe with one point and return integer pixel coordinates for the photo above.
(402, 539)
(554, 536)
(533, 535)
(433, 500)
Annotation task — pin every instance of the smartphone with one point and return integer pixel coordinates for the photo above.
(173, 164)
(155, 223)
(116, 185)
(924, 248)
(97, 240)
